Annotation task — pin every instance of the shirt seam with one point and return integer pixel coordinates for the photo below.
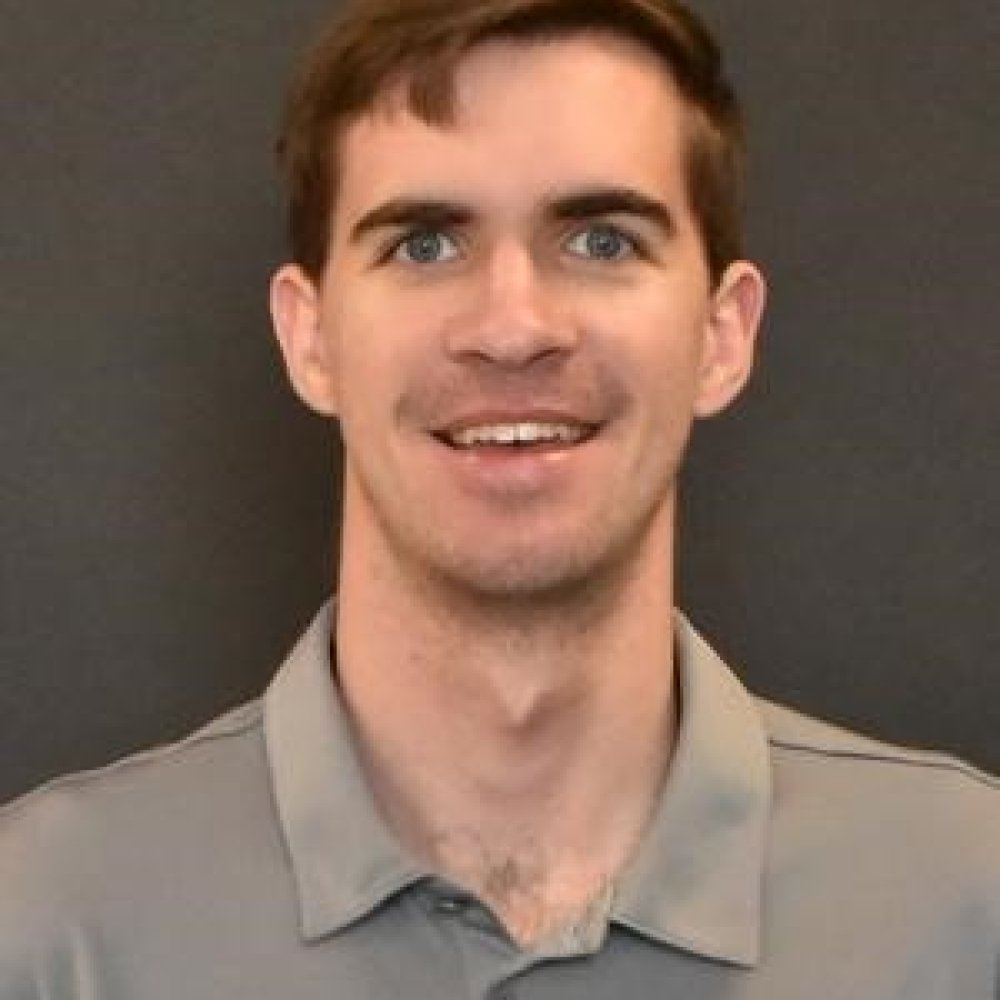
(952, 765)
(233, 723)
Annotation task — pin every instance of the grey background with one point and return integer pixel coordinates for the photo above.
(166, 503)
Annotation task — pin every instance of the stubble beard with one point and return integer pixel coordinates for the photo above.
(521, 577)
(518, 574)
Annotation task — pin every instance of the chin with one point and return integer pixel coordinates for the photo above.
(535, 575)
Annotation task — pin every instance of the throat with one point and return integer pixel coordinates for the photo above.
(534, 903)
(578, 918)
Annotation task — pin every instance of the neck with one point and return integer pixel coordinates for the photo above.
(517, 749)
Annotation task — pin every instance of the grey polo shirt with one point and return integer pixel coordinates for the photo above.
(786, 859)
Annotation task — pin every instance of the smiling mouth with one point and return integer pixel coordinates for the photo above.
(517, 435)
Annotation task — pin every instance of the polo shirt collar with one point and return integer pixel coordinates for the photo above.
(344, 858)
(695, 882)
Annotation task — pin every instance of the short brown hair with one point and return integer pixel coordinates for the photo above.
(375, 44)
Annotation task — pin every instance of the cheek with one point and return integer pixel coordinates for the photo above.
(660, 340)
(382, 356)
(365, 334)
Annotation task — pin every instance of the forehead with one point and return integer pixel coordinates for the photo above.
(530, 118)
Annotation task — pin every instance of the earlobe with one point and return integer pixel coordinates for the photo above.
(295, 314)
(730, 337)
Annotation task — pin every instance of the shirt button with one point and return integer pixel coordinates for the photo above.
(450, 905)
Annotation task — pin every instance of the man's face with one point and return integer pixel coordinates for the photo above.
(515, 326)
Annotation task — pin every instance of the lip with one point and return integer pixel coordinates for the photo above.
(517, 474)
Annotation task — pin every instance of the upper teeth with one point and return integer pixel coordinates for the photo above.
(523, 432)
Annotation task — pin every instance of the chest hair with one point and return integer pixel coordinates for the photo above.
(532, 899)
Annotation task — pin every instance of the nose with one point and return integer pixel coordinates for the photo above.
(517, 314)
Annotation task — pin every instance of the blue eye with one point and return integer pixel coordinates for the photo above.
(602, 242)
(426, 247)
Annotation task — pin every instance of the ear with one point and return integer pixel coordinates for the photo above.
(730, 337)
(309, 355)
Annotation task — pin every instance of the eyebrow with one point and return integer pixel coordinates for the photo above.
(590, 203)
(575, 206)
(411, 213)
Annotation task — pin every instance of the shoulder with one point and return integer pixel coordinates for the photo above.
(802, 739)
(78, 845)
(69, 798)
(903, 809)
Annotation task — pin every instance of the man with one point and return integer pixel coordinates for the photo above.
(498, 765)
